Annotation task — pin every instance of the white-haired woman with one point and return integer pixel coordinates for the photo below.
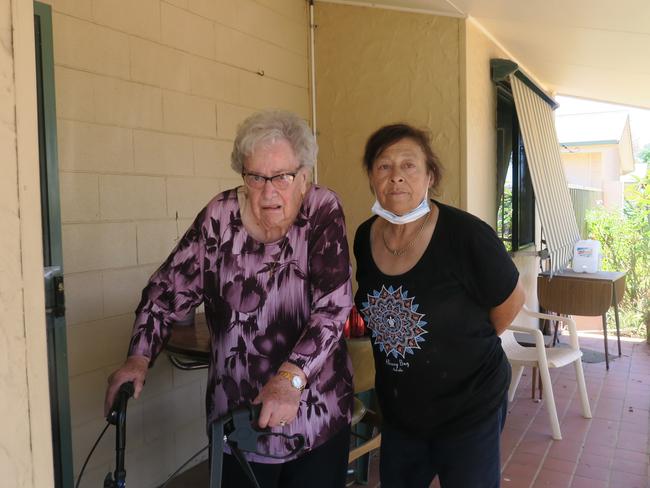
(269, 260)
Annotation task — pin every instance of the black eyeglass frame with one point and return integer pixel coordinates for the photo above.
(273, 179)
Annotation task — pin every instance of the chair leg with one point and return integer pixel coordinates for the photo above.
(606, 345)
(582, 389)
(514, 382)
(618, 325)
(550, 403)
(533, 383)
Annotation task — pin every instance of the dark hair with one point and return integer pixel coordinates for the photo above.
(390, 134)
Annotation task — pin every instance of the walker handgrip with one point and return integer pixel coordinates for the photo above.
(117, 417)
(119, 404)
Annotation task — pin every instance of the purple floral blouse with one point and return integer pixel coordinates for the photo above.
(264, 304)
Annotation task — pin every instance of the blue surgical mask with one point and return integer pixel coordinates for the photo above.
(410, 216)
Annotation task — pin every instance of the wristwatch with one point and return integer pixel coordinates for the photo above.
(295, 380)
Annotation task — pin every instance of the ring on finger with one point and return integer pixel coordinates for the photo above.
(283, 422)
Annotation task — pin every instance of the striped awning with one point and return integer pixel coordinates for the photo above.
(558, 220)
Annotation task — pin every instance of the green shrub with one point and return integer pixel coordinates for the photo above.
(625, 240)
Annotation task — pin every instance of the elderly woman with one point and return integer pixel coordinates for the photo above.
(269, 260)
(436, 288)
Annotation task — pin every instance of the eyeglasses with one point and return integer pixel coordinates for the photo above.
(280, 182)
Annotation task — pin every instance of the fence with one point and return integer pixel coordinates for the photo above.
(583, 199)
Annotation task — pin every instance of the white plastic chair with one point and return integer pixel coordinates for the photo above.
(545, 358)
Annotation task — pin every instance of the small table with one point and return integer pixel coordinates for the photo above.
(188, 346)
(587, 294)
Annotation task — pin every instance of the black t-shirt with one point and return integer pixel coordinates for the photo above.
(440, 366)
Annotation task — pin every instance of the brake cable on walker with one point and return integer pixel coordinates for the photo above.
(234, 429)
(117, 417)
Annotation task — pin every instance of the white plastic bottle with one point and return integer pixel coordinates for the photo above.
(586, 256)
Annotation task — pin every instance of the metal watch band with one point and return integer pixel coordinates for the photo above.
(290, 377)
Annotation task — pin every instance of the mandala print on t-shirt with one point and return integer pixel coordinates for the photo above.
(392, 317)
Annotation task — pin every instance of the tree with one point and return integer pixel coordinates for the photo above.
(644, 154)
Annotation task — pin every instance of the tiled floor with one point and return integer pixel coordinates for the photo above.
(608, 451)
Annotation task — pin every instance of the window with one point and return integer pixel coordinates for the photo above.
(525, 113)
(516, 200)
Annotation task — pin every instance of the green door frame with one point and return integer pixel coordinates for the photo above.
(52, 249)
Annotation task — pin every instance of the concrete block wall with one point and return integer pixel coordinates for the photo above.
(149, 94)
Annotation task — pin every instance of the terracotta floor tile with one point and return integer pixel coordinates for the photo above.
(608, 412)
(636, 428)
(580, 482)
(603, 438)
(552, 464)
(608, 451)
(635, 415)
(520, 471)
(632, 456)
(613, 391)
(537, 447)
(514, 483)
(631, 467)
(551, 484)
(621, 479)
(565, 450)
(553, 479)
(598, 449)
(633, 442)
(593, 472)
(521, 457)
(596, 460)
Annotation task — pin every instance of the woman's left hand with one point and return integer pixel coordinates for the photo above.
(279, 399)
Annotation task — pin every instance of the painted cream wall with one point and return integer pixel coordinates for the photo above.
(25, 438)
(374, 67)
(479, 165)
(147, 107)
(479, 150)
(583, 168)
(598, 167)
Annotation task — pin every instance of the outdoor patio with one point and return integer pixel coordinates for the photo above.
(609, 451)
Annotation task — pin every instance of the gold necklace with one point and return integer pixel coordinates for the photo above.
(409, 245)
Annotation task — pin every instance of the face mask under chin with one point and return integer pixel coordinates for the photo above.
(411, 216)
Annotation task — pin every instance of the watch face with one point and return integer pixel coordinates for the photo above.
(296, 382)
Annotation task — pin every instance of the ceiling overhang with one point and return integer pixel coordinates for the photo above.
(582, 48)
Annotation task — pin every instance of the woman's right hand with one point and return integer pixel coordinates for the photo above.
(134, 369)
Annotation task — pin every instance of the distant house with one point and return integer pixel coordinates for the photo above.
(596, 150)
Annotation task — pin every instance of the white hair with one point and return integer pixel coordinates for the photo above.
(269, 126)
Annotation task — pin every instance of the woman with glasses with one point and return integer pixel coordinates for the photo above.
(269, 261)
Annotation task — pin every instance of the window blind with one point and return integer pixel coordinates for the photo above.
(537, 126)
